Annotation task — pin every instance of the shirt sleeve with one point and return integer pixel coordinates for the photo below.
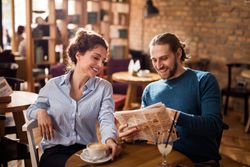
(42, 102)
(106, 115)
(209, 122)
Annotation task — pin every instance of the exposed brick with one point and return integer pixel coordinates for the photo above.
(217, 29)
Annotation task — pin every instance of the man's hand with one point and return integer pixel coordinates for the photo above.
(126, 133)
(45, 124)
(173, 114)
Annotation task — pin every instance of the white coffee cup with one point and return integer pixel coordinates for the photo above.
(97, 151)
(143, 73)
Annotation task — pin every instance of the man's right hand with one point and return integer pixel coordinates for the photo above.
(126, 133)
(45, 124)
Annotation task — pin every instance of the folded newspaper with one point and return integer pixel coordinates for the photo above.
(5, 89)
(151, 121)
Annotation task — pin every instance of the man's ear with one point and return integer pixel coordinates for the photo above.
(77, 56)
(179, 53)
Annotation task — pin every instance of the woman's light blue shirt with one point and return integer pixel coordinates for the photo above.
(75, 122)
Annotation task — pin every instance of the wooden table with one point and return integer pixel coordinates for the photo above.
(246, 74)
(20, 100)
(135, 156)
(133, 81)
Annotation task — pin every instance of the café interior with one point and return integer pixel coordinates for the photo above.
(35, 35)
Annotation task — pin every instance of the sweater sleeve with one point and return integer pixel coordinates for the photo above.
(209, 122)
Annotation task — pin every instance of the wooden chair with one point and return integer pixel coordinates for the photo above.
(198, 64)
(15, 83)
(235, 89)
(119, 89)
(57, 69)
(11, 149)
(119, 101)
(8, 69)
(29, 127)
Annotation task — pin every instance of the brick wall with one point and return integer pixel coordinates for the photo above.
(214, 29)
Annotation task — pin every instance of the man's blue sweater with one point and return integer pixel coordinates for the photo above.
(196, 95)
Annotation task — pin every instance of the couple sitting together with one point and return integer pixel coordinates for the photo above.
(69, 106)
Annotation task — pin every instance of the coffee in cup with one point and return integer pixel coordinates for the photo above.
(97, 151)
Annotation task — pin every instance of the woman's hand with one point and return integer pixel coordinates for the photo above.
(45, 123)
(114, 147)
(126, 133)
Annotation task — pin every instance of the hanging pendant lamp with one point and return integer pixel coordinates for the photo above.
(150, 10)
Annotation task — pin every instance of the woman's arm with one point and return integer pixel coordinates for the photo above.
(38, 111)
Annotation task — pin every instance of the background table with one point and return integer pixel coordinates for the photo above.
(134, 155)
(246, 74)
(133, 81)
(20, 100)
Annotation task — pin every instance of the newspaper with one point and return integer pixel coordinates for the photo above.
(151, 121)
(5, 89)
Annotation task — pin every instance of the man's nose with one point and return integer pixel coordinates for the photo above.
(158, 64)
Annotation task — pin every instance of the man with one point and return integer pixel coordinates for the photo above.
(194, 94)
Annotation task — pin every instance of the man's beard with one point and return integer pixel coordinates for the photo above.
(172, 71)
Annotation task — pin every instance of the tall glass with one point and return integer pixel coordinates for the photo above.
(164, 148)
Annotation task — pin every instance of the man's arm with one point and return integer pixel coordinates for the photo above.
(210, 120)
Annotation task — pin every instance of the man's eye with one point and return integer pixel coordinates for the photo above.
(96, 58)
(164, 58)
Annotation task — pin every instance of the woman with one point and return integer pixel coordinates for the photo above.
(19, 34)
(69, 106)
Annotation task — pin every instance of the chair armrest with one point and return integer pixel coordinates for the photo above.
(29, 125)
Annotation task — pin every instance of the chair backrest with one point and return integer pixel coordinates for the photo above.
(15, 83)
(58, 69)
(29, 126)
(8, 69)
(117, 65)
(7, 56)
(231, 66)
(199, 64)
(8, 65)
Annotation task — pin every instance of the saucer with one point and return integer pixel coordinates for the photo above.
(85, 157)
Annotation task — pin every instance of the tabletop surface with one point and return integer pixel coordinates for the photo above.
(134, 155)
(245, 73)
(19, 100)
(128, 77)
